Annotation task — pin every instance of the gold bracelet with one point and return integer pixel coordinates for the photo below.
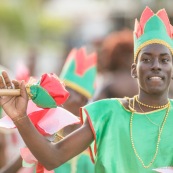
(18, 118)
(58, 137)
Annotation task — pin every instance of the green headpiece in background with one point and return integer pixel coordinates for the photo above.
(152, 28)
(79, 72)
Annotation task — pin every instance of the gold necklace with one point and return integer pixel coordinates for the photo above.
(148, 117)
(131, 108)
(149, 106)
(158, 139)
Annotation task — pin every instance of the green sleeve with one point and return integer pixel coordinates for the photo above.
(98, 114)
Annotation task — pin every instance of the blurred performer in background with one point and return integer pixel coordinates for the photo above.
(78, 74)
(115, 57)
(12, 137)
(3, 134)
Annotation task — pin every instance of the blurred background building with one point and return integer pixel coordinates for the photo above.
(40, 33)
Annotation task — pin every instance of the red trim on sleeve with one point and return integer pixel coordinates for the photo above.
(39, 168)
(92, 128)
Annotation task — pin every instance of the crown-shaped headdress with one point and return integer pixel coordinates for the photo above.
(79, 72)
(152, 28)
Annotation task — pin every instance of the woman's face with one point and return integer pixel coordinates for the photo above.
(153, 69)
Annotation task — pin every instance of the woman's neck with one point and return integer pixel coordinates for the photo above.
(153, 99)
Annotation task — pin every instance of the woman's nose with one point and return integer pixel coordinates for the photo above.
(156, 65)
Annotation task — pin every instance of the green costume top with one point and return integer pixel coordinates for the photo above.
(112, 149)
(79, 164)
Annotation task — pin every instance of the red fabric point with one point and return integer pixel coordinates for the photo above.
(164, 17)
(171, 28)
(137, 29)
(80, 58)
(84, 62)
(146, 15)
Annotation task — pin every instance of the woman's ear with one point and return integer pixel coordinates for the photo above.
(133, 71)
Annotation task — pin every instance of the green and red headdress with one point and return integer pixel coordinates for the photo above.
(79, 72)
(152, 28)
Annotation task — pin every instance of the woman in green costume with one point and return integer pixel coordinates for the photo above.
(125, 135)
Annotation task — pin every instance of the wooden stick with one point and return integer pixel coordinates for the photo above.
(9, 92)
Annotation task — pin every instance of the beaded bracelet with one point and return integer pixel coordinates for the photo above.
(18, 118)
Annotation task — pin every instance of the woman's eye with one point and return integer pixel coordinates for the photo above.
(165, 60)
(146, 59)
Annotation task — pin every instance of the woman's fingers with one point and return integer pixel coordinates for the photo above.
(7, 82)
(16, 84)
(23, 90)
(2, 85)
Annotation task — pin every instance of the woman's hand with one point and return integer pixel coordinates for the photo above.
(14, 106)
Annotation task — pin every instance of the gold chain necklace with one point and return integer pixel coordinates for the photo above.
(148, 117)
(158, 139)
(149, 106)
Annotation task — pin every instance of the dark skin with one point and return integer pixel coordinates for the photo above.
(2, 149)
(74, 102)
(151, 73)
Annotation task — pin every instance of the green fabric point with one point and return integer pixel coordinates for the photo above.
(155, 24)
(41, 97)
